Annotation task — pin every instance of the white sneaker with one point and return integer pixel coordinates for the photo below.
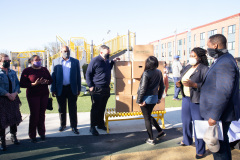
(149, 141)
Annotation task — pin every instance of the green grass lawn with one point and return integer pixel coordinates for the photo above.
(84, 101)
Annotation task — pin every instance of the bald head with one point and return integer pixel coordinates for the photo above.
(65, 49)
(65, 52)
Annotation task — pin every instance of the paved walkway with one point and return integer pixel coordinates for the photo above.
(125, 141)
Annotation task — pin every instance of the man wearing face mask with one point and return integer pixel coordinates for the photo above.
(219, 99)
(98, 77)
(66, 86)
(190, 84)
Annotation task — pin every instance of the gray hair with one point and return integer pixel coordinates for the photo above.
(3, 55)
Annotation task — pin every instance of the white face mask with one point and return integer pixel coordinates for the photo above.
(192, 61)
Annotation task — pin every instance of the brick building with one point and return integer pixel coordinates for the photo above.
(182, 43)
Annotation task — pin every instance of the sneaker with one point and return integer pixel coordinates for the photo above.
(161, 134)
(149, 141)
(176, 99)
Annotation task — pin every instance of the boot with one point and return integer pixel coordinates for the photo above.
(3, 145)
(14, 139)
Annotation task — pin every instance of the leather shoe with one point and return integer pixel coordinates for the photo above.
(94, 131)
(199, 157)
(75, 130)
(182, 144)
(43, 137)
(34, 140)
(102, 127)
(62, 128)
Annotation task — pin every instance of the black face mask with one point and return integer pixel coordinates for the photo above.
(6, 64)
(215, 53)
(106, 56)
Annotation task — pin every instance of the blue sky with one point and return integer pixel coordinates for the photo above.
(31, 24)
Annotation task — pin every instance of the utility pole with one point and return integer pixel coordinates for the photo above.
(91, 50)
(175, 45)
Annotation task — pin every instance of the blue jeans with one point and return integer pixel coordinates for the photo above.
(176, 89)
(190, 112)
(224, 152)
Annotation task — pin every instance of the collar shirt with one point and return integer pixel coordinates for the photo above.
(66, 66)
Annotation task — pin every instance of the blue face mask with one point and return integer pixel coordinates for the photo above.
(37, 63)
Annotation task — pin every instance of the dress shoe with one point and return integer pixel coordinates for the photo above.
(102, 127)
(94, 131)
(3, 145)
(182, 144)
(75, 130)
(43, 137)
(14, 139)
(62, 128)
(199, 157)
(34, 140)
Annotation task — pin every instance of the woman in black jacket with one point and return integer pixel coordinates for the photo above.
(192, 77)
(149, 94)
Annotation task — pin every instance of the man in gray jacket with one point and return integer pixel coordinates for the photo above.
(176, 68)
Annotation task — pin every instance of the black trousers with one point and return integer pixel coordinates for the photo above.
(13, 130)
(67, 95)
(149, 120)
(99, 97)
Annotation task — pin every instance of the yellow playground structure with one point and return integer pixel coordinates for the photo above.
(82, 51)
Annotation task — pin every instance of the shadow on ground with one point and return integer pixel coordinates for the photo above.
(81, 147)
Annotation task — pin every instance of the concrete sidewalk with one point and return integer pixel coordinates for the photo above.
(125, 141)
(172, 120)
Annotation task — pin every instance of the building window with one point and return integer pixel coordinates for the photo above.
(189, 38)
(203, 47)
(232, 29)
(222, 30)
(180, 42)
(173, 44)
(156, 48)
(162, 46)
(189, 50)
(202, 36)
(184, 41)
(194, 37)
(170, 54)
(169, 45)
(184, 53)
(178, 52)
(231, 45)
(213, 32)
(162, 54)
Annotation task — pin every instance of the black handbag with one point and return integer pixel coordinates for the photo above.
(49, 105)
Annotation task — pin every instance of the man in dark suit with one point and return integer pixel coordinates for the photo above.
(66, 86)
(219, 92)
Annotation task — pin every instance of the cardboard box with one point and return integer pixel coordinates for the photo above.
(160, 106)
(123, 86)
(135, 85)
(142, 52)
(123, 69)
(123, 103)
(137, 68)
(136, 107)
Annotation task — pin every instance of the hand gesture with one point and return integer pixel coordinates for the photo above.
(37, 82)
(44, 81)
(189, 83)
(116, 59)
(91, 89)
(211, 122)
(178, 84)
(14, 95)
(142, 104)
(9, 97)
(54, 94)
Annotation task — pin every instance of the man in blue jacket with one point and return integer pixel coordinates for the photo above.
(66, 86)
(98, 77)
(219, 92)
